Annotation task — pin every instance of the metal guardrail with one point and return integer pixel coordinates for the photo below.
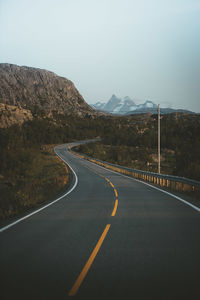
(175, 183)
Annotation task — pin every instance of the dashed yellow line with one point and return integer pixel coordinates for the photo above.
(115, 208)
(115, 191)
(87, 266)
(112, 185)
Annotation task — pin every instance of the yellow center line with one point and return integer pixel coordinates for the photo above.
(112, 185)
(115, 208)
(87, 266)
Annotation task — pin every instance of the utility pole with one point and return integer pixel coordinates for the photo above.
(158, 138)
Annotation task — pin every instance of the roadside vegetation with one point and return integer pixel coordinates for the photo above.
(133, 143)
(31, 174)
(28, 178)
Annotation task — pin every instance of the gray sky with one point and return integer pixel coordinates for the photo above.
(146, 49)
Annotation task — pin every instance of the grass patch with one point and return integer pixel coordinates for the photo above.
(141, 158)
(40, 177)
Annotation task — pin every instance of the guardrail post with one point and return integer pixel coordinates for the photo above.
(168, 183)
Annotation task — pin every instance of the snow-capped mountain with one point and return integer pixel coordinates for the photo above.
(127, 106)
(99, 105)
(148, 104)
(119, 106)
(123, 106)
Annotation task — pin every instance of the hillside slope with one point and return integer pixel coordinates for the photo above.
(10, 114)
(37, 89)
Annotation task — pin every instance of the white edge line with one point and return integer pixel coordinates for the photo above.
(154, 187)
(49, 204)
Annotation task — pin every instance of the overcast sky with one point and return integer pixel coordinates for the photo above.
(146, 49)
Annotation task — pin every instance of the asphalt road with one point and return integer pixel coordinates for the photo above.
(111, 237)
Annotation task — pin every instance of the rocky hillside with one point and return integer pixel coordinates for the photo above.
(10, 114)
(37, 89)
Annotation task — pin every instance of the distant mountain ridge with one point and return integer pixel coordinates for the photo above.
(127, 106)
(32, 88)
(123, 106)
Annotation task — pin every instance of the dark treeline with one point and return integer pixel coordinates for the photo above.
(130, 140)
(16, 140)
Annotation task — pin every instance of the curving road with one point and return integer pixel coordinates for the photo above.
(109, 237)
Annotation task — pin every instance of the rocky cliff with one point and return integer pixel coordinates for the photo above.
(32, 88)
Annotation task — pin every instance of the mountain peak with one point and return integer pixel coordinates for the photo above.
(127, 98)
(127, 106)
(114, 98)
(116, 105)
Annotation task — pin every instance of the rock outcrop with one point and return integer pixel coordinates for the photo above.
(10, 114)
(33, 88)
